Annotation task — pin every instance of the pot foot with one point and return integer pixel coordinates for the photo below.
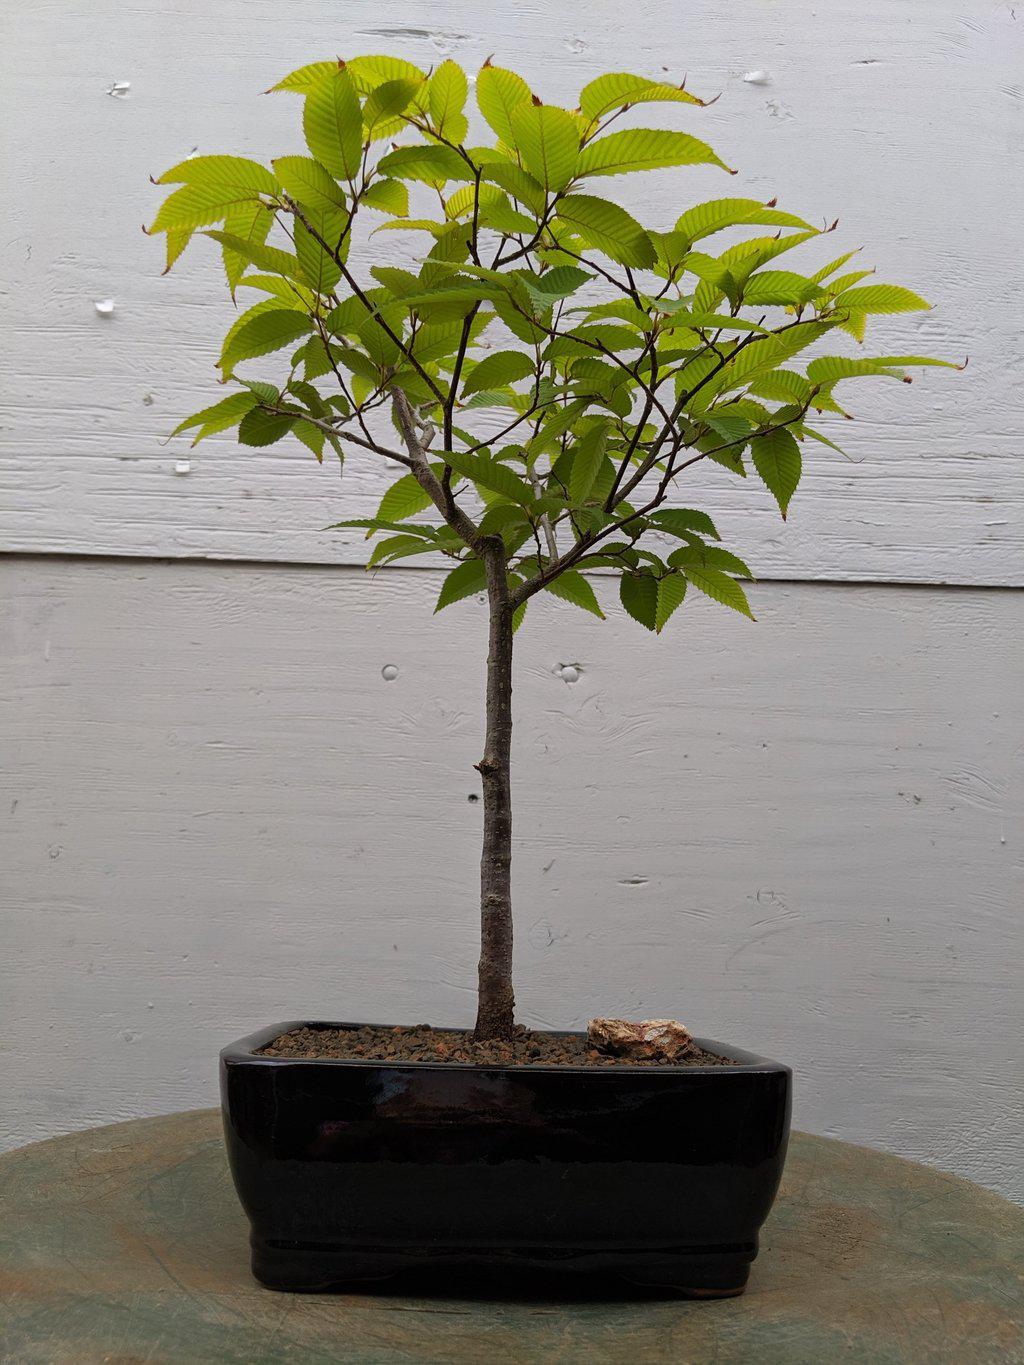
(313, 1269)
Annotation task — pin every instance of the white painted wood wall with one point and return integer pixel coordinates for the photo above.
(802, 835)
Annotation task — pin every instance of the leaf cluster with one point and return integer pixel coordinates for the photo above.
(604, 356)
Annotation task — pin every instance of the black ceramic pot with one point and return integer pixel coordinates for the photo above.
(353, 1171)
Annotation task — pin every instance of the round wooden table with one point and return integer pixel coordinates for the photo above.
(125, 1244)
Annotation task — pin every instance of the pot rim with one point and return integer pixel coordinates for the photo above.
(246, 1050)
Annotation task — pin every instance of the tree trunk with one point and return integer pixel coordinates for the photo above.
(496, 1002)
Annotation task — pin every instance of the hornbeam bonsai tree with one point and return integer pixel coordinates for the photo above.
(614, 361)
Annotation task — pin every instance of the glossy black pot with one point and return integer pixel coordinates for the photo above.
(353, 1171)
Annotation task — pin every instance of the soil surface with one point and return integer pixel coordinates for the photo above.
(421, 1043)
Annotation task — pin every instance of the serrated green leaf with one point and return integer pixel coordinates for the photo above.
(383, 106)
(250, 223)
(515, 181)
(881, 298)
(705, 219)
(309, 182)
(398, 547)
(617, 89)
(403, 499)
(465, 580)
(774, 287)
(498, 93)
(197, 206)
(319, 267)
(777, 459)
(548, 142)
(490, 474)
(671, 591)
(572, 587)
(373, 524)
(829, 369)
(587, 458)
(261, 428)
(643, 149)
(369, 72)
(699, 556)
(257, 253)
(608, 228)
(302, 79)
(333, 124)
(446, 99)
(268, 331)
(233, 173)
(388, 196)
(434, 165)
(721, 588)
(219, 416)
(681, 521)
(638, 593)
(502, 367)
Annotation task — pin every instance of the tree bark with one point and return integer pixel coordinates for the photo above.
(496, 1002)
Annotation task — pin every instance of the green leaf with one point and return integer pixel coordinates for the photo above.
(881, 298)
(262, 428)
(319, 267)
(572, 587)
(557, 283)
(491, 474)
(681, 521)
(249, 223)
(308, 182)
(257, 253)
(608, 228)
(782, 386)
(643, 149)
(196, 206)
(588, 457)
(515, 181)
(446, 98)
(372, 524)
(333, 124)
(708, 557)
(403, 499)
(267, 332)
(721, 588)
(383, 106)
(399, 547)
(177, 240)
(502, 367)
(369, 72)
(388, 196)
(305, 77)
(465, 580)
(671, 591)
(232, 173)
(434, 165)
(548, 142)
(638, 593)
(220, 416)
(498, 93)
(776, 457)
(705, 219)
(618, 89)
(829, 369)
(779, 287)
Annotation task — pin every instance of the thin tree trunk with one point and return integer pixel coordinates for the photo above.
(496, 1005)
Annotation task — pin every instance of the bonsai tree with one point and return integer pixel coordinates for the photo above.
(615, 361)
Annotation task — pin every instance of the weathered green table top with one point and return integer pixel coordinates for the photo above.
(125, 1244)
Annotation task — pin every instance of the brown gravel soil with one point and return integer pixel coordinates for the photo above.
(421, 1043)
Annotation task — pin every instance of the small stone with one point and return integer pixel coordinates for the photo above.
(663, 1040)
